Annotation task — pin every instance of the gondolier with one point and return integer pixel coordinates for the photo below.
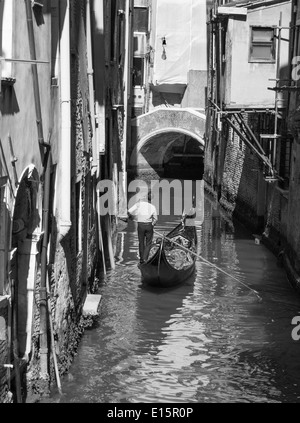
(146, 216)
(171, 259)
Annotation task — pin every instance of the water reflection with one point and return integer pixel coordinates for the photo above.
(153, 314)
(207, 340)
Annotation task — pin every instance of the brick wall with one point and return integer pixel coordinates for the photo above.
(210, 151)
(243, 189)
(244, 192)
(240, 183)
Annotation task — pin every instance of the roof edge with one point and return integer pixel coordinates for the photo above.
(254, 3)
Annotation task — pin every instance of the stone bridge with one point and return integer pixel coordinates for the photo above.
(154, 133)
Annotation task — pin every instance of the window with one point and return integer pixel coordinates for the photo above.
(121, 40)
(140, 19)
(138, 72)
(262, 44)
(139, 44)
(113, 29)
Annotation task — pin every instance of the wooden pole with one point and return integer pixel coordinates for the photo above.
(109, 242)
(52, 338)
(100, 233)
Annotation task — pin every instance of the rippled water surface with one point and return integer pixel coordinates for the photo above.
(211, 339)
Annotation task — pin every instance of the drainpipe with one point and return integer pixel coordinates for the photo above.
(123, 201)
(43, 288)
(43, 293)
(65, 92)
(35, 77)
(90, 71)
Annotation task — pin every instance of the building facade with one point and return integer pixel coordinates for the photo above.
(251, 158)
(169, 78)
(62, 132)
(291, 254)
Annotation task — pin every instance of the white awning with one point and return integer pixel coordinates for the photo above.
(233, 11)
(181, 25)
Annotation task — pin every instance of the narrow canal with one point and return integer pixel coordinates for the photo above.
(210, 339)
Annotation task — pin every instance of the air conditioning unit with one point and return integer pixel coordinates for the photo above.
(139, 44)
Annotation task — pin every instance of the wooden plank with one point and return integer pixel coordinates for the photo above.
(270, 136)
(187, 155)
(239, 11)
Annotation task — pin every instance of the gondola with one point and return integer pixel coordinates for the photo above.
(171, 259)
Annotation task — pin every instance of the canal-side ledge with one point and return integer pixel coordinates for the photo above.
(91, 309)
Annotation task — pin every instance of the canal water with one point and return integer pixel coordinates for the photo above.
(211, 339)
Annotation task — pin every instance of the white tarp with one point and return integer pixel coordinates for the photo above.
(183, 25)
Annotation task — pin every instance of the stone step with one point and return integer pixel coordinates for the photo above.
(92, 305)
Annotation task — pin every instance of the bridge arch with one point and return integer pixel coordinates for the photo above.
(159, 122)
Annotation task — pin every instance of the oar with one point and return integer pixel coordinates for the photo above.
(209, 263)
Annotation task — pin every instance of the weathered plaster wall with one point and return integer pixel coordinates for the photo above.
(19, 121)
(195, 93)
(247, 83)
(18, 115)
